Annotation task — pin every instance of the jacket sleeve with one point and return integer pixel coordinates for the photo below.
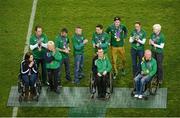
(24, 67)
(154, 68)
(109, 66)
(57, 56)
(125, 31)
(34, 68)
(47, 58)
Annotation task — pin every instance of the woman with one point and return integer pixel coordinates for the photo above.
(29, 74)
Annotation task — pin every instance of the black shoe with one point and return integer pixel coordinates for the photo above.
(57, 91)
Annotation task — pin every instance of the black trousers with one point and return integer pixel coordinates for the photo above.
(102, 84)
(53, 76)
(159, 58)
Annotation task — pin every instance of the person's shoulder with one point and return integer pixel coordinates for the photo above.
(33, 36)
(161, 35)
(153, 59)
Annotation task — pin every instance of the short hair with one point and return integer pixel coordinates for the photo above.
(117, 18)
(36, 27)
(99, 26)
(50, 43)
(157, 26)
(27, 56)
(78, 27)
(64, 30)
(138, 22)
(100, 49)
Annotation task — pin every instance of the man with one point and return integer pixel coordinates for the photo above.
(148, 70)
(100, 39)
(38, 45)
(103, 70)
(62, 43)
(79, 42)
(157, 42)
(137, 40)
(118, 34)
(53, 58)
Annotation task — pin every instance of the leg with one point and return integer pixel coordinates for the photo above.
(44, 73)
(134, 61)
(56, 77)
(25, 79)
(99, 86)
(60, 70)
(121, 52)
(81, 66)
(67, 68)
(140, 56)
(32, 81)
(114, 58)
(144, 81)
(137, 80)
(160, 67)
(76, 68)
(50, 77)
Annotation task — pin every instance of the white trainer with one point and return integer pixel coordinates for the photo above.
(136, 95)
(140, 97)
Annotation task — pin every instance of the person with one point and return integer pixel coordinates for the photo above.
(103, 71)
(53, 59)
(38, 45)
(118, 34)
(157, 41)
(28, 72)
(79, 42)
(62, 43)
(137, 40)
(148, 70)
(100, 39)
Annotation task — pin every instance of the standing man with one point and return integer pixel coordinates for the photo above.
(62, 43)
(38, 45)
(118, 34)
(79, 42)
(100, 39)
(137, 40)
(157, 45)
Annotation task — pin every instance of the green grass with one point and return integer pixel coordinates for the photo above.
(53, 15)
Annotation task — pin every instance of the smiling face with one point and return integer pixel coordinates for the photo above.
(50, 45)
(137, 27)
(100, 53)
(31, 58)
(147, 54)
(99, 30)
(78, 31)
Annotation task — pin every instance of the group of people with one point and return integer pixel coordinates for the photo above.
(51, 55)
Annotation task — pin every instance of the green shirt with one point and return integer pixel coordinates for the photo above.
(138, 35)
(102, 39)
(103, 65)
(55, 63)
(149, 67)
(34, 40)
(158, 39)
(120, 32)
(78, 44)
(62, 43)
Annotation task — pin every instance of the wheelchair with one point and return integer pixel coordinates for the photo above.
(93, 85)
(150, 88)
(21, 89)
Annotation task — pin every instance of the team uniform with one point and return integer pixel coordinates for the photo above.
(137, 49)
(101, 39)
(53, 60)
(39, 52)
(148, 70)
(102, 81)
(117, 47)
(78, 50)
(62, 42)
(157, 52)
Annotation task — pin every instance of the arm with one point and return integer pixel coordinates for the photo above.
(125, 31)
(24, 67)
(57, 56)
(154, 69)
(109, 66)
(32, 47)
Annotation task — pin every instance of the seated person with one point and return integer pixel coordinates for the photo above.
(53, 59)
(103, 69)
(148, 70)
(29, 74)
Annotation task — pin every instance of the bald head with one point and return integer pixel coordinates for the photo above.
(147, 54)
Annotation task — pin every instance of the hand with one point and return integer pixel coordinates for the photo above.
(97, 45)
(118, 39)
(85, 41)
(99, 74)
(31, 64)
(105, 72)
(66, 50)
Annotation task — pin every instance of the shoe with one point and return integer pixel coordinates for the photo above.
(140, 96)
(57, 91)
(114, 76)
(136, 95)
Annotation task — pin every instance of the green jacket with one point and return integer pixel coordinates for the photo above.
(103, 65)
(149, 67)
(78, 44)
(139, 35)
(36, 53)
(158, 39)
(103, 39)
(53, 59)
(115, 33)
(62, 43)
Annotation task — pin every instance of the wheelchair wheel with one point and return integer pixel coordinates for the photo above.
(91, 82)
(20, 98)
(154, 86)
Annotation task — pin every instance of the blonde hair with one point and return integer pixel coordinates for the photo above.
(157, 26)
(51, 43)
